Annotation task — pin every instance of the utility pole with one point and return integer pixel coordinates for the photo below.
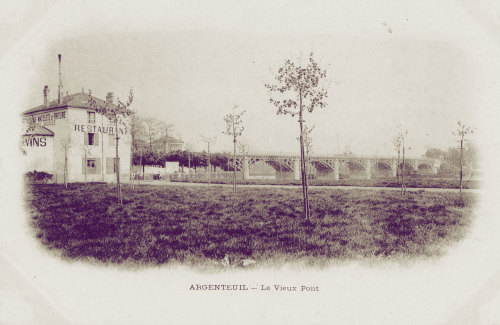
(338, 144)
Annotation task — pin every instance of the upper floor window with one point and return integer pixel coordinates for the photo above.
(91, 139)
(91, 117)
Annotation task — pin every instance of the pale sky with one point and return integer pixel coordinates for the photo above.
(385, 65)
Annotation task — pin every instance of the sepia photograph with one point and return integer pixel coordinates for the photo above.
(324, 162)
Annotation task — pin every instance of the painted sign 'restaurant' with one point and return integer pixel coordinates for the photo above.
(98, 129)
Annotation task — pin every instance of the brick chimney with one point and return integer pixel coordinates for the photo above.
(109, 98)
(45, 96)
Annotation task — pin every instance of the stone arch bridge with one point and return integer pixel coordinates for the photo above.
(336, 166)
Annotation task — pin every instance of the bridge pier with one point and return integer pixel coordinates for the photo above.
(336, 170)
(246, 171)
(394, 168)
(368, 167)
(296, 169)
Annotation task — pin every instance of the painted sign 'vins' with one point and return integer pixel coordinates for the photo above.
(35, 141)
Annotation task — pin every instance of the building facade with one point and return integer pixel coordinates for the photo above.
(167, 144)
(70, 133)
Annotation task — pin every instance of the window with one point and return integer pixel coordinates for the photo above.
(91, 139)
(91, 117)
(91, 166)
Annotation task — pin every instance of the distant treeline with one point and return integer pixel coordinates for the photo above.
(450, 159)
(185, 159)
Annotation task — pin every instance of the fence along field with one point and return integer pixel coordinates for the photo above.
(204, 226)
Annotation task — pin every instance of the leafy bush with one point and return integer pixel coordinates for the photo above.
(38, 177)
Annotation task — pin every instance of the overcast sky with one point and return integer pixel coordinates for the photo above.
(385, 65)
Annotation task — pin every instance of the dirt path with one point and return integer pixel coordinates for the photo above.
(343, 187)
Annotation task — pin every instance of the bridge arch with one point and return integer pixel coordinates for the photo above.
(382, 169)
(408, 167)
(322, 166)
(426, 168)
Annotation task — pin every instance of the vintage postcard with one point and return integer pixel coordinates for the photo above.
(242, 162)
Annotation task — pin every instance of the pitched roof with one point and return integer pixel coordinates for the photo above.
(40, 130)
(78, 100)
(168, 139)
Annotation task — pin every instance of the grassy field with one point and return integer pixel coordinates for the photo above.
(410, 182)
(199, 226)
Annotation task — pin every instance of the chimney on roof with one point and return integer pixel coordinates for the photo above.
(109, 98)
(60, 81)
(45, 96)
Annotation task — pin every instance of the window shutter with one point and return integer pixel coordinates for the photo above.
(98, 165)
(109, 165)
(86, 139)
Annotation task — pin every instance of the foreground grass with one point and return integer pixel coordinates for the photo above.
(198, 225)
(410, 182)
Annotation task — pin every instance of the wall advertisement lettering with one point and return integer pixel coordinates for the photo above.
(35, 141)
(98, 129)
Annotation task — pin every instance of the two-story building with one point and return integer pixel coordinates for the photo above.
(166, 144)
(70, 133)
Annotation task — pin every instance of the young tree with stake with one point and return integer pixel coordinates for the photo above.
(298, 88)
(117, 114)
(138, 133)
(396, 141)
(235, 129)
(66, 144)
(402, 135)
(209, 141)
(308, 146)
(462, 132)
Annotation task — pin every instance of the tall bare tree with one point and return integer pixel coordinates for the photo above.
(66, 144)
(402, 133)
(189, 150)
(137, 133)
(86, 154)
(234, 128)
(166, 128)
(396, 141)
(462, 131)
(118, 115)
(298, 88)
(153, 129)
(209, 141)
(347, 150)
(28, 126)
